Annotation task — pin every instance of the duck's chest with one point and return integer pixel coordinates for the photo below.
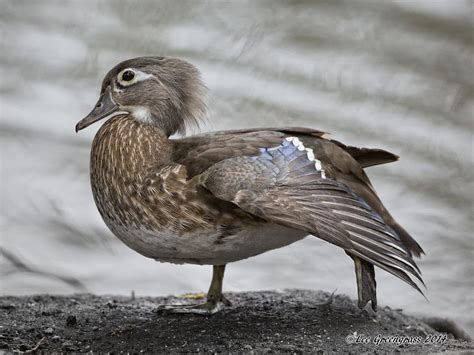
(122, 155)
(135, 184)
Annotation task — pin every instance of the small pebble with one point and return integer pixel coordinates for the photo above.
(112, 305)
(69, 346)
(71, 320)
(23, 347)
(7, 306)
(48, 331)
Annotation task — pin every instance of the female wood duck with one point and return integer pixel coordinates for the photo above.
(221, 197)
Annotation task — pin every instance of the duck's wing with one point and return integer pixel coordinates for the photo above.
(366, 157)
(289, 185)
(199, 153)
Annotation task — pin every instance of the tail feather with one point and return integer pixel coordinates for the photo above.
(367, 157)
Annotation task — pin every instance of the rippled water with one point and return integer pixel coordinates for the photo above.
(395, 75)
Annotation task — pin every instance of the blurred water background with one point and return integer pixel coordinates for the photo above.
(396, 75)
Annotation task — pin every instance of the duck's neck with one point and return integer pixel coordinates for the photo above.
(124, 150)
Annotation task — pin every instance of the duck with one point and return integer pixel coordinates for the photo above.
(221, 197)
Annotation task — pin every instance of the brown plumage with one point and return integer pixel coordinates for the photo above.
(224, 196)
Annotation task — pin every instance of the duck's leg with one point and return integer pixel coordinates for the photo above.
(214, 295)
(215, 299)
(366, 284)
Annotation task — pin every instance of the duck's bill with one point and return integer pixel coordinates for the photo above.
(105, 108)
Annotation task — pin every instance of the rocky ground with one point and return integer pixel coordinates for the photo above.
(289, 321)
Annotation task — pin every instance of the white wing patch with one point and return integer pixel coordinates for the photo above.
(309, 153)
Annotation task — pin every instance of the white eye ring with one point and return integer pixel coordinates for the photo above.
(131, 76)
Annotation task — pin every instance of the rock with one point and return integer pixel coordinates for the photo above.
(48, 331)
(69, 346)
(443, 325)
(23, 347)
(71, 320)
(112, 304)
(289, 348)
(7, 306)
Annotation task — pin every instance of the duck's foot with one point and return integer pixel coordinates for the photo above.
(205, 309)
(216, 301)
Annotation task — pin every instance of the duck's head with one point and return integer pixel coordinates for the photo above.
(165, 92)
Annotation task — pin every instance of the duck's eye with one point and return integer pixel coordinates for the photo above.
(128, 75)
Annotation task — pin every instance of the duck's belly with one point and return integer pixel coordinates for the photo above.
(208, 248)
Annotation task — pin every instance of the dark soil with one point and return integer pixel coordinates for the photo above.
(289, 321)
